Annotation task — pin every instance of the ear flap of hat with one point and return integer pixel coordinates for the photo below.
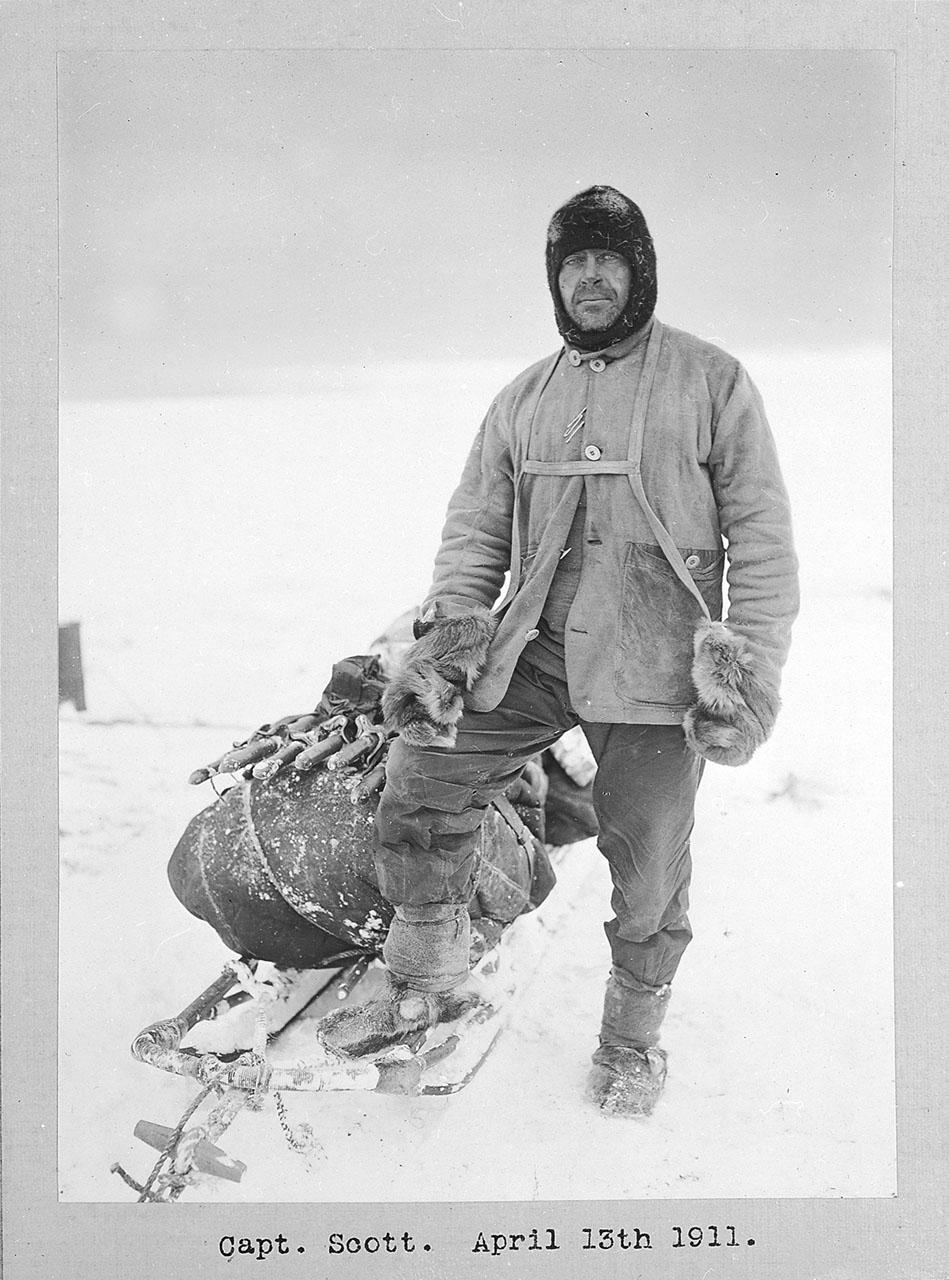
(603, 218)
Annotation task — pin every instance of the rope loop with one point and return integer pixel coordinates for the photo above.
(302, 1138)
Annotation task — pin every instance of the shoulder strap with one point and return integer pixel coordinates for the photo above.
(636, 433)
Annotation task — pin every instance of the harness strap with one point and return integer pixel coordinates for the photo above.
(636, 433)
(630, 467)
(602, 468)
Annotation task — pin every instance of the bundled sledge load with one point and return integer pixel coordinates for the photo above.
(281, 865)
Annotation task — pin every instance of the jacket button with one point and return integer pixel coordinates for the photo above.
(573, 357)
(693, 562)
(532, 634)
(592, 453)
(598, 365)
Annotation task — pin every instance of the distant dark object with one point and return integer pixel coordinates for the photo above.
(71, 686)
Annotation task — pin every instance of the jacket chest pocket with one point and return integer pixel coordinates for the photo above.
(658, 621)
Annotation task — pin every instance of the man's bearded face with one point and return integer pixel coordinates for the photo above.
(594, 285)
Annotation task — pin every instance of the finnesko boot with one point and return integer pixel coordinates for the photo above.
(629, 1070)
(626, 1082)
(426, 954)
(396, 1014)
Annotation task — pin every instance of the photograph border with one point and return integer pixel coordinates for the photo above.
(793, 1238)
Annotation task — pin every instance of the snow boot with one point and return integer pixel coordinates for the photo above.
(629, 1071)
(626, 1082)
(398, 1014)
(426, 953)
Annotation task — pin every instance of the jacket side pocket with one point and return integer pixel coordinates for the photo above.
(658, 621)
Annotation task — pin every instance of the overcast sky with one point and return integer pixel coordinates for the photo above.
(236, 213)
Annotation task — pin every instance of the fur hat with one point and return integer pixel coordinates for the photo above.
(603, 218)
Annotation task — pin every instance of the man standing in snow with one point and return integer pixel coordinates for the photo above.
(605, 479)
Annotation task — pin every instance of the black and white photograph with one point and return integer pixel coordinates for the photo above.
(473, 634)
(414, 408)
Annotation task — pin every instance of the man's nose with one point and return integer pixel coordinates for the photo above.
(591, 268)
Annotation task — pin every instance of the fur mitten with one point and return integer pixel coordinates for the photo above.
(423, 701)
(734, 711)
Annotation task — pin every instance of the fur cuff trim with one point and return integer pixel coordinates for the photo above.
(423, 702)
(422, 706)
(734, 711)
(456, 646)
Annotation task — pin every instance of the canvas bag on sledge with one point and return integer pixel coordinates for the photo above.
(282, 869)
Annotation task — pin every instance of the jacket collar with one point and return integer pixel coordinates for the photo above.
(616, 352)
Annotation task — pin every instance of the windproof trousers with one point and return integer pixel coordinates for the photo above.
(427, 831)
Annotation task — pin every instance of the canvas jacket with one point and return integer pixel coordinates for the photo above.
(710, 473)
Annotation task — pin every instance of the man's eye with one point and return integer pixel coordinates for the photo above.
(573, 262)
(606, 257)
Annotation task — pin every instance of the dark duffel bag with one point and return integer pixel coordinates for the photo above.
(283, 870)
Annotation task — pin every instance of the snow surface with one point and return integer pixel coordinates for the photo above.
(221, 553)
